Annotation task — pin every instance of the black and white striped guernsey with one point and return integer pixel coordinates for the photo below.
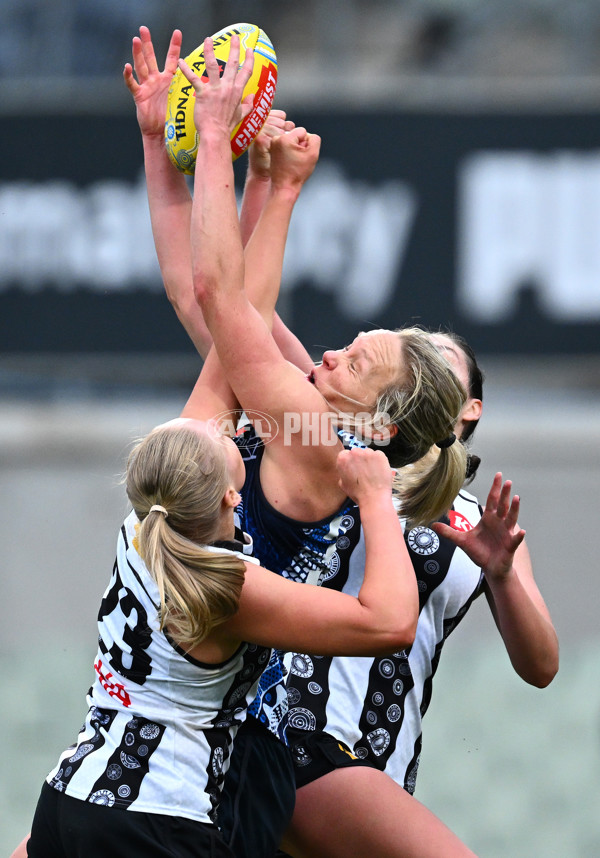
(376, 705)
(160, 726)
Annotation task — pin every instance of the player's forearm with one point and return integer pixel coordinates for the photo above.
(265, 251)
(290, 346)
(529, 636)
(170, 205)
(389, 584)
(256, 193)
(217, 253)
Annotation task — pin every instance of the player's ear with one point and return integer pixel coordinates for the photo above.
(232, 498)
(384, 432)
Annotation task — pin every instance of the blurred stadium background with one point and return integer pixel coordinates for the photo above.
(459, 185)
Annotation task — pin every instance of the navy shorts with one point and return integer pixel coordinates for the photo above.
(66, 827)
(316, 754)
(259, 793)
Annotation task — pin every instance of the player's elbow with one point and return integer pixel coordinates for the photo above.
(546, 673)
(205, 289)
(181, 300)
(409, 633)
(540, 673)
(398, 637)
(543, 681)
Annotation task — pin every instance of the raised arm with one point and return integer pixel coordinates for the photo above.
(258, 173)
(257, 188)
(169, 198)
(497, 545)
(290, 162)
(262, 379)
(293, 157)
(306, 618)
(290, 346)
(170, 205)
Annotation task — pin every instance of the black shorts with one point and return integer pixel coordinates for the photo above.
(316, 754)
(66, 827)
(259, 793)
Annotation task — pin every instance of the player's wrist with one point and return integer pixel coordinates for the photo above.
(286, 191)
(375, 503)
(261, 176)
(499, 576)
(153, 138)
(214, 133)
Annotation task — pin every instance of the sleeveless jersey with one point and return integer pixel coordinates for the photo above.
(376, 705)
(159, 731)
(300, 551)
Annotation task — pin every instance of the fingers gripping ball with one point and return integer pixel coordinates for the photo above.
(181, 137)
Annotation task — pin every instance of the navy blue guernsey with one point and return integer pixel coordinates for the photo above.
(314, 552)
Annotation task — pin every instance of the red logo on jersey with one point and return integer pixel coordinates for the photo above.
(459, 522)
(115, 689)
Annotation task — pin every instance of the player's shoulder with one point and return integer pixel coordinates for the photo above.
(465, 509)
(466, 498)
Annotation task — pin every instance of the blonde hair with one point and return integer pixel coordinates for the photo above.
(424, 406)
(186, 473)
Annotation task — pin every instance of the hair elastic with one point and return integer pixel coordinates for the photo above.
(447, 442)
(158, 508)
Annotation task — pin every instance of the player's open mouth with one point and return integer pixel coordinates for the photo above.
(311, 376)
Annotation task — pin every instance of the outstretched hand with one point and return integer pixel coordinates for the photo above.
(149, 86)
(363, 473)
(491, 545)
(219, 102)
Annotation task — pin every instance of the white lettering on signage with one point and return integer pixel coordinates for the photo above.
(533, 220)
(55, 234)
(347, 238)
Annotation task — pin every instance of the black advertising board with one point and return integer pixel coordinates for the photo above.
(484, 223)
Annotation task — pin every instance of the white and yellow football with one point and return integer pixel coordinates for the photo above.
(181, 137)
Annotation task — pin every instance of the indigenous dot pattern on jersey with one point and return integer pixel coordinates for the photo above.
(181, 137)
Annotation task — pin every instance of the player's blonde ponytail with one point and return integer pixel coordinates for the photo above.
(176, 480)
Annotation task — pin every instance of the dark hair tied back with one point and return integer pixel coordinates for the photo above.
(473, 463)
